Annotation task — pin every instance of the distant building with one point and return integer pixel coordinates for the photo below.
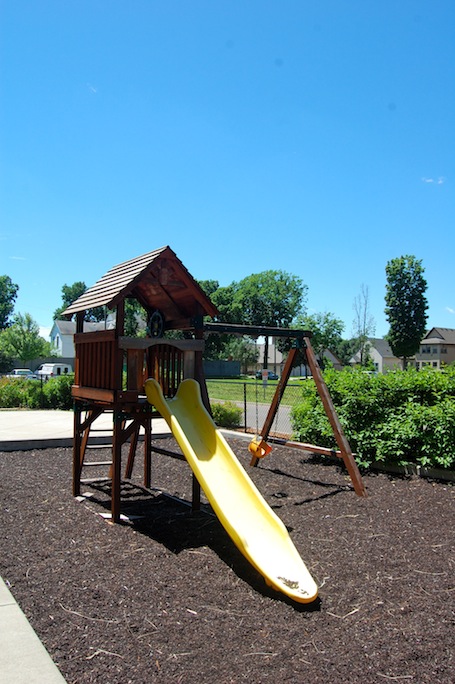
(276, 360)
(380, 353)
(437, 348)
(62, 335)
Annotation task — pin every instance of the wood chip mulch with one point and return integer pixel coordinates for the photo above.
(166, 596)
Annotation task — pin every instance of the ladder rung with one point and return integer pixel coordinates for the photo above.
(98, 463)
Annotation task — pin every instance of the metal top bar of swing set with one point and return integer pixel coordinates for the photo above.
(303, 338)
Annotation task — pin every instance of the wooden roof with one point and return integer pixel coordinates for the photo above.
(158, 280)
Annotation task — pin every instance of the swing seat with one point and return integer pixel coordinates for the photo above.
(259, 447)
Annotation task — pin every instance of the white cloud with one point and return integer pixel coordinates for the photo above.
(437, 181)
(450, 310)
(17, 258)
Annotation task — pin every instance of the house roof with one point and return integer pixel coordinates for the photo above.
(438, 335)
(382, 346)
(69, 327)
(158, 280)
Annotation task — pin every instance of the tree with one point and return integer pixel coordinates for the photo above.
(22, 340)
(270, 298)
(244, 350)
(69, 295)
(345, 350)
(8, 294)
(325, 331)
(406, 305)
(364, 324)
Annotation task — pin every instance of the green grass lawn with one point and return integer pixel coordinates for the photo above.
(234, 390)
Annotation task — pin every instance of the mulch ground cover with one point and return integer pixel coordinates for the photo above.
(166, 596)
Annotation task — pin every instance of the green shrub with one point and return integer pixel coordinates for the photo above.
(227, 415)
(57, 392)
(13, 392)
(32, 394)
(401, 417)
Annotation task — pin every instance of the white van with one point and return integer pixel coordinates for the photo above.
(51, 370)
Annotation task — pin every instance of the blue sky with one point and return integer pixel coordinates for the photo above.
(310, 136)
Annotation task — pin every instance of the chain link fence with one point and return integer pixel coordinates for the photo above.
(254, 398)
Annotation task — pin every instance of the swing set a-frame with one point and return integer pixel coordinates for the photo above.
(259, 446)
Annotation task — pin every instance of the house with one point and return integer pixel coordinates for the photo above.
(437, 348)
(380, 353)
(62, 335)
(276, 360)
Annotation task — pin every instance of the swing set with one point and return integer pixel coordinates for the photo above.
(260, 446)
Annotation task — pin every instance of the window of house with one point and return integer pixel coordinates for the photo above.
(434, 350)
(443, 350)
(435, 364)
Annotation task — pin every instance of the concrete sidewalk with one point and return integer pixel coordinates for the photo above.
(22, 430)
(23, 658)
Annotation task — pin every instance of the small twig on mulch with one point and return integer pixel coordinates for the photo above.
(342, 617)
(87, 617)
(101, 650)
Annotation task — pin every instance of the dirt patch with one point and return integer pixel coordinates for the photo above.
(166, 596)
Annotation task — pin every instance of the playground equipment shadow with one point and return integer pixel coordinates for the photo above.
(23, 658)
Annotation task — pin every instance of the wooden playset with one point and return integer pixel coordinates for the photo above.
(111, 368)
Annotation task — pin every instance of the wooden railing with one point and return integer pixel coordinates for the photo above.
(110, 368)
(97, 360)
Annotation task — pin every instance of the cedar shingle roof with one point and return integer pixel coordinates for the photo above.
(158, 280)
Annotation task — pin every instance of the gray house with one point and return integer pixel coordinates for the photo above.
(380, 353)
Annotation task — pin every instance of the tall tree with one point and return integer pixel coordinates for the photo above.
(8, 294)
(271, 298)
(406, 305)
(363, 324)
(22, 339)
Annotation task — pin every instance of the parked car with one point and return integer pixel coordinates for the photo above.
(22, 373)
(51, 370)
(271, 375)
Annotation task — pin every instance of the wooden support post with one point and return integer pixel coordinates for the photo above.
(132, 453)
(343, 444)
(147, 452)
(116, 466)
(196, 495)
(77, 444)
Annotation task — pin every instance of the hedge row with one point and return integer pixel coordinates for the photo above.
(403, 417)
(32, 394)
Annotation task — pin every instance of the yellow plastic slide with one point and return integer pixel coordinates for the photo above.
(255, 529)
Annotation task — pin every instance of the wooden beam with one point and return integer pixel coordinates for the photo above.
(255, 330)
(331, 413)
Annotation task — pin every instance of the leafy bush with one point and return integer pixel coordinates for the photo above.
(13, 392)
(32, 394)
(401, 417)
(227, 415)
